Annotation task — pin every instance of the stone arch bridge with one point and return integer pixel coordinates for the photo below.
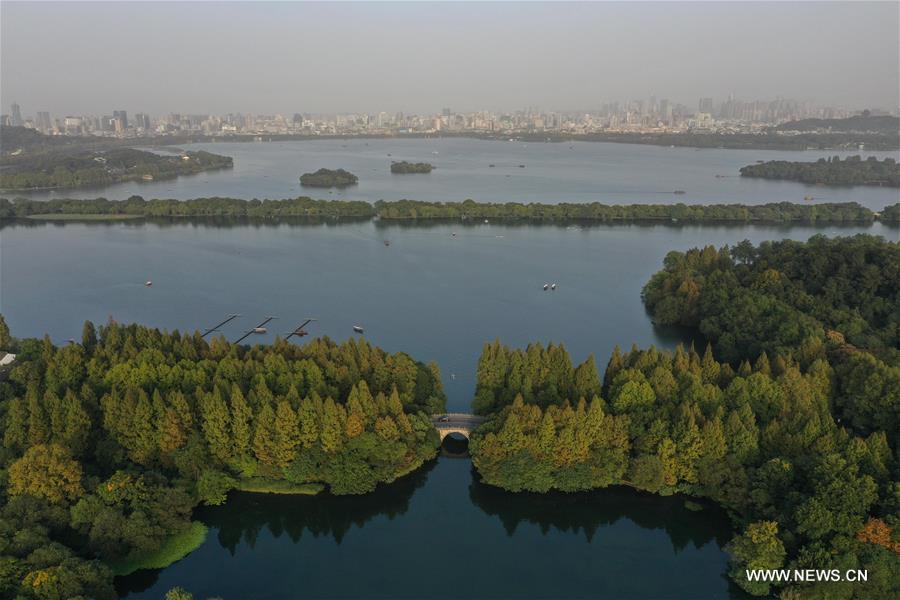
(461, 423)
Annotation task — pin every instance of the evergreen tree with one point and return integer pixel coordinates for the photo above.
(216, 423)
(241, 416)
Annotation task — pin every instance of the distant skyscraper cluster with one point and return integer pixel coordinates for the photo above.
(648, 116)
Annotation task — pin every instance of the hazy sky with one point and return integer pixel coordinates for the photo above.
(217, 57)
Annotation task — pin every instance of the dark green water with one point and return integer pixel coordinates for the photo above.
(437, 533)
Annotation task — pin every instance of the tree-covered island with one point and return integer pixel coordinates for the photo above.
(62, 170)
(327, 178)
(108, 444)
(853, 170)
(403, 167)
(794, 434)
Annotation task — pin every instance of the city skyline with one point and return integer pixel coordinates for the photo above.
(357, 58)
(731, 115)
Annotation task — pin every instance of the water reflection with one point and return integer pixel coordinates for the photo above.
(586, 513)
(287, 539)
(245, 515)
(243, 518)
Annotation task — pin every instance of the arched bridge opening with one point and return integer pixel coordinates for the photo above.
(455, 430)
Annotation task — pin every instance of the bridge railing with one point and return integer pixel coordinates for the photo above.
(459, 415)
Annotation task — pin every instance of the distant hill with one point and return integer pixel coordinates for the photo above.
(859, 123)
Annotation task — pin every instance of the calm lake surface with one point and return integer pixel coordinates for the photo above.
(438, 533)
(553, 172)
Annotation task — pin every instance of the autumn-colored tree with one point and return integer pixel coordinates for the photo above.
(48, 472)
(877, 532)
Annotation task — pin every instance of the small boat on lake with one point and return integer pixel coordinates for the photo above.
(679, 192)
(387, 242)
(546, 286)
(553, 286)
(358, 329)
(260, 330)
(148, 283)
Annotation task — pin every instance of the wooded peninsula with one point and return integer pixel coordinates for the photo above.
(853, 170)
(109, 444)
(61, 170)
(469, 210)
(788, 420)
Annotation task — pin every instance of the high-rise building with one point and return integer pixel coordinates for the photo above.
(142, 121)
(15, 117)
(121, 117)
(706, 105)
(43, 122)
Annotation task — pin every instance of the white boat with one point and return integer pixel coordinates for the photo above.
(357, 329)
(552, 286)
(148, 283)
(546, 286)
(260, 330)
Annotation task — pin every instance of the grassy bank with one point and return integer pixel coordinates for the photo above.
(174, 549)
(261, 485)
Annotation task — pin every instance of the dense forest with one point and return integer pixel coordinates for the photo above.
(777, 296)
(890, 214)
(198, 207)
(407, 210)
(760, 440)
(845, 212)
(108, 444)
(326, 178)
(830, 171)
(102, 168)
(404, 167)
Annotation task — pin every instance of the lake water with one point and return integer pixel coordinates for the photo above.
(553, 172)
(438, 533)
